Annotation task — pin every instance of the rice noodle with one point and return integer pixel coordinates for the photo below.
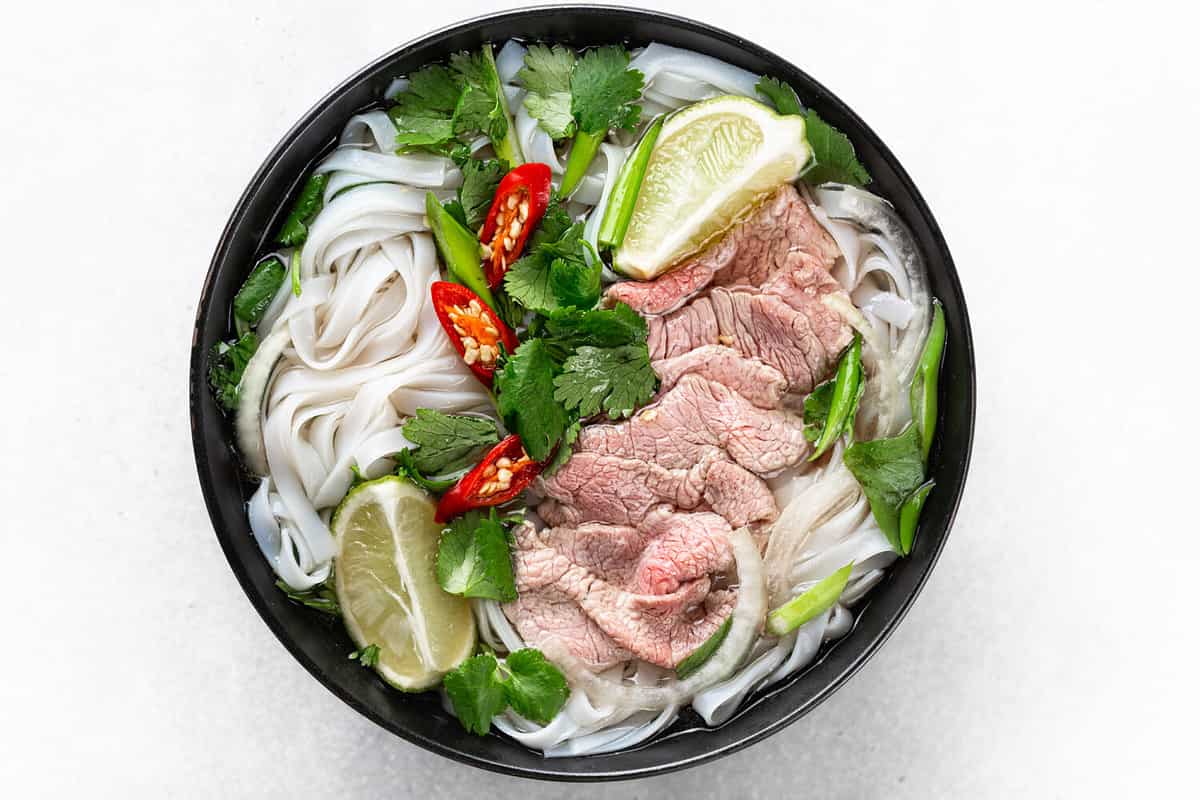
(340, 367)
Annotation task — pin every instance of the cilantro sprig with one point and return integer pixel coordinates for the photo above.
(482, 687)
(834, 159)
(581, 98)
(473, 558)
(227, 363)
(444, 105)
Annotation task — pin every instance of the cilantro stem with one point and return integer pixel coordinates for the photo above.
(583, 150)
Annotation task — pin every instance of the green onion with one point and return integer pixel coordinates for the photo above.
(583, 150)
(924, 392)
(910, 514)
(846, 386)
(808, 606)
(704, 652)
(624, 195)
(295, 267)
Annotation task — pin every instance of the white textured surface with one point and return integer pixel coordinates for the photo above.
(1052, 653)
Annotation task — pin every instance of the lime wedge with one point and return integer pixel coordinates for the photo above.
(712, 161)
(387, 585)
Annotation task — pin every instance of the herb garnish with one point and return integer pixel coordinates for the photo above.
(227, 363)
(258, 291)
(448, 442)
(368, 656)
(615, 379)
(481, 687)
(321, 597)
(295, 228)
(583, 98)
(834, 159)
(473, 558)
(526, 401)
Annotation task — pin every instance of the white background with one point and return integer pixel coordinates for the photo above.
(1052, 653)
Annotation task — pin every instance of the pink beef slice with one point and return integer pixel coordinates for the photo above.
(786, 325)
(697, 418)
(607, 592)
(773, 239)
(760, 383)
(592, 487)
(622, 491)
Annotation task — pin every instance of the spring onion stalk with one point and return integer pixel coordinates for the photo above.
(295, 267)
(846, 391)
(459, 249)
(623, 198)
(583, 150)
(704, 652)
(817, 600)
(910, 514)
(924, 392)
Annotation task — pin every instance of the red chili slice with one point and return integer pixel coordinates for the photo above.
(520, 202)
(502, 475)
(473, 327)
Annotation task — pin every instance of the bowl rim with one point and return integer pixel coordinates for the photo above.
(198, 384)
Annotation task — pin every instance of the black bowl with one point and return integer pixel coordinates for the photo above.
(320, 643)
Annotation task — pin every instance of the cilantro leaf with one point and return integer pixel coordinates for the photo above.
(473, 558)
(834, 154)
(448, 442)
(547, 80)
(526, 399)
(442, 104)
(479, 110)
(432, 91)
(480, 179)
(425, 132)
(368, 656)
(617, 379)
(535, 688)
(476, 692)
(780, 94)
(889, 470)
(554, 274)
(603, 90)
(295, 227)
(321, 597)
(406, 467)
(565, 448)
(227, 363)
(574, 282)
(567, 329)
(259, 290)
(555, 222)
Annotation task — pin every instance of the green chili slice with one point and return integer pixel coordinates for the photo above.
(459, 249)
(910, 514)
(846, 386)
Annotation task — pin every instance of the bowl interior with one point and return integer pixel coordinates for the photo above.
(321, 644)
